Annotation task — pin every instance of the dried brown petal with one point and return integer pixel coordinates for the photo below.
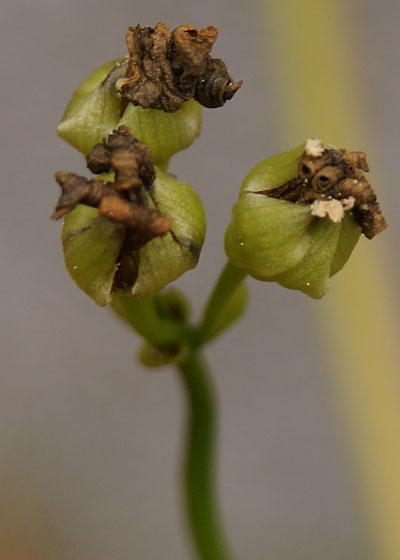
(336, 175)
(216, 87)
(76, 189)
(119, 200)
(131, 160)
(167, 68)
(144, 223)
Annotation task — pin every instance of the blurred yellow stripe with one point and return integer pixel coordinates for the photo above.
(312, 50)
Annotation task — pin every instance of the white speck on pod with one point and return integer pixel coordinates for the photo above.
(331, 208)
(314, 147)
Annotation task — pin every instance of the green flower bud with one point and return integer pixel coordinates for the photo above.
(173, 304)
(155, 357)
(299, 216)
(97, 108)
(101, 262)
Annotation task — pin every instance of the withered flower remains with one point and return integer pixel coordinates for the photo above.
(329, 175)
(120, 200)
(166, 68)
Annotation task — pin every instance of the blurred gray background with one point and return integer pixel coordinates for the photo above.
(90, 442)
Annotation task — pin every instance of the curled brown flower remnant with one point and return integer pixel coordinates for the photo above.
(166, 68)
(120, 200)
(335, 175)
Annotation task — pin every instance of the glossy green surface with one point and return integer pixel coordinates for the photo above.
(91, 248)
(164, 259)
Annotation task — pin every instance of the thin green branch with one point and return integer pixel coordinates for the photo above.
(199, 466)
(226, 303)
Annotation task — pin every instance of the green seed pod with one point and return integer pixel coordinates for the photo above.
(101, 261)
(97, 108)
(299, 216)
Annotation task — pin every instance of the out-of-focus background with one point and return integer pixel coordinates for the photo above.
(90, 442)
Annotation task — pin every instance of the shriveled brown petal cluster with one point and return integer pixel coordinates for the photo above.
(339, 175)
(121, 200)
(166, 68)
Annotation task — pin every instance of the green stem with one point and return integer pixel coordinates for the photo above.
(213, 321)
(199, 467)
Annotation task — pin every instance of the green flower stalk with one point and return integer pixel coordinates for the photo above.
(300, 215)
